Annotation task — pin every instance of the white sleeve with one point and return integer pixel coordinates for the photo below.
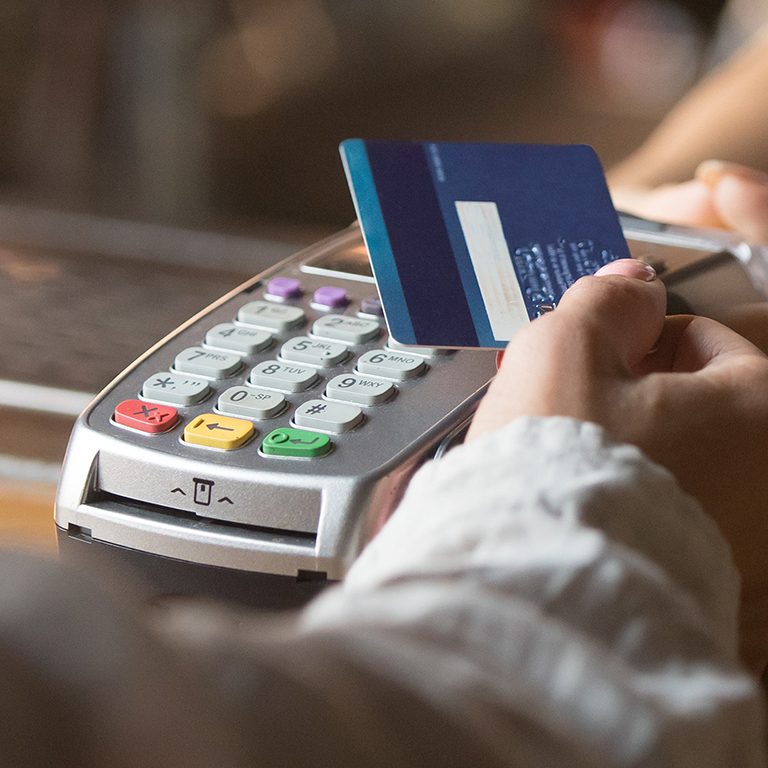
(554, 597)
(542, 598)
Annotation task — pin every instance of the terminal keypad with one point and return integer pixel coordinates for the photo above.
(261, 363)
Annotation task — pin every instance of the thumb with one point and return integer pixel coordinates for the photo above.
(570, 361)
(620, 311)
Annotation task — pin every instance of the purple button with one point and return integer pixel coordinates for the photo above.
(284, 287)
(330, 296)
(371, 305)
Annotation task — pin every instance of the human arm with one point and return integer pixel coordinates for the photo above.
(543, 596)
(725, 116)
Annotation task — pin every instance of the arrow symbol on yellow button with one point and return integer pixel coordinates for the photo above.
(216, 426)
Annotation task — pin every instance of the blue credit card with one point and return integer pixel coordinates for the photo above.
(470, 242)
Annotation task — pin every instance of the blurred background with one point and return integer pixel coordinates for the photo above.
(226, 114)
(155, 153)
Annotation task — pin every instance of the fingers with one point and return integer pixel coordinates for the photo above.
(740, 196)
(568, 362)
(723, 195)
(689, 344)
(629, 268)
(621, 310)
(710, 172)
(690, 203)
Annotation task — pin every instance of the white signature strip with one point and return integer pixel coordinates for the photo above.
(491, 260)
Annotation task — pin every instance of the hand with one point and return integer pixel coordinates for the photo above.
(689, 392)
(722, 195)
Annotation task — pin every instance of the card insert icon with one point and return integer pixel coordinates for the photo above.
(203, 491)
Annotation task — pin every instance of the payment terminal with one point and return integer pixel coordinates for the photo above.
(252, 453)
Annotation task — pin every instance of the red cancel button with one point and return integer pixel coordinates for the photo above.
(148, 417)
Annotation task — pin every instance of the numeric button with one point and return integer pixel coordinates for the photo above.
(359, 389)
(302, 349)
(204, 362)
(287, 378)
(251, 402)
(266, 314)
(428, 352)
(391, 365)
(355, 330)
(236, 338)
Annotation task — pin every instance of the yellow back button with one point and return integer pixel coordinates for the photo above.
(216, 431)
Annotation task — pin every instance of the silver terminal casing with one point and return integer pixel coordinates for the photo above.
(154, 493)
(243, 510)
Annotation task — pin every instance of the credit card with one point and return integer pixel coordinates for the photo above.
(470, 242)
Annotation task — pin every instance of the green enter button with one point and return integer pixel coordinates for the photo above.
(296, 442)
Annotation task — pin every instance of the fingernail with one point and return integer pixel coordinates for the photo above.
(629, 268)
(711, 171)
